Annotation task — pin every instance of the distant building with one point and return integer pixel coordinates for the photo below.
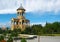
(20, 22)
(3, 28)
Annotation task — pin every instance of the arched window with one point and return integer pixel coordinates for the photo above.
(22, 21)
(17, 12)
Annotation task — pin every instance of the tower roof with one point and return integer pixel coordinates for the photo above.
(21, 8)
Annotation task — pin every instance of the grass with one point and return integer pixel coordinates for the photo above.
(50, 35)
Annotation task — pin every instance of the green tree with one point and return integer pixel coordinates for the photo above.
(56, 26)
(36, 29)
(2, 39)
(51, 28)
(26, 31)
(0, 31)
(48, 28)
(10, 39)
(23, 40)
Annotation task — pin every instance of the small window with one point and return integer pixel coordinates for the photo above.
(17, 12)
(20, 22)
(23, 21)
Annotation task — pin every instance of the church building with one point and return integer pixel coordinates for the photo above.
(20, 22)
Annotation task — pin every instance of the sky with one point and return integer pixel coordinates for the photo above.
(37, 11)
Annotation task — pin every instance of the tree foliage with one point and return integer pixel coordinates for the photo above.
(49, 28)
(23, 40)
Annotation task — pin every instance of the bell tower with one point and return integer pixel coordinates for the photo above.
(20, 22)
(20, 12)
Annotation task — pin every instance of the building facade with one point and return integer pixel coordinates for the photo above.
(20, 22)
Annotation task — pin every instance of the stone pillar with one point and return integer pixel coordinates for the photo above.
(12, 24)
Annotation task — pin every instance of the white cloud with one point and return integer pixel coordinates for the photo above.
(9, 6)
(7, 11)
(30, 5)
(43, 5)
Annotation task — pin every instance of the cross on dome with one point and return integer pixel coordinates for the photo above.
(21, 7)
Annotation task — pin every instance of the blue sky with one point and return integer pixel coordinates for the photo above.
(37, 11)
